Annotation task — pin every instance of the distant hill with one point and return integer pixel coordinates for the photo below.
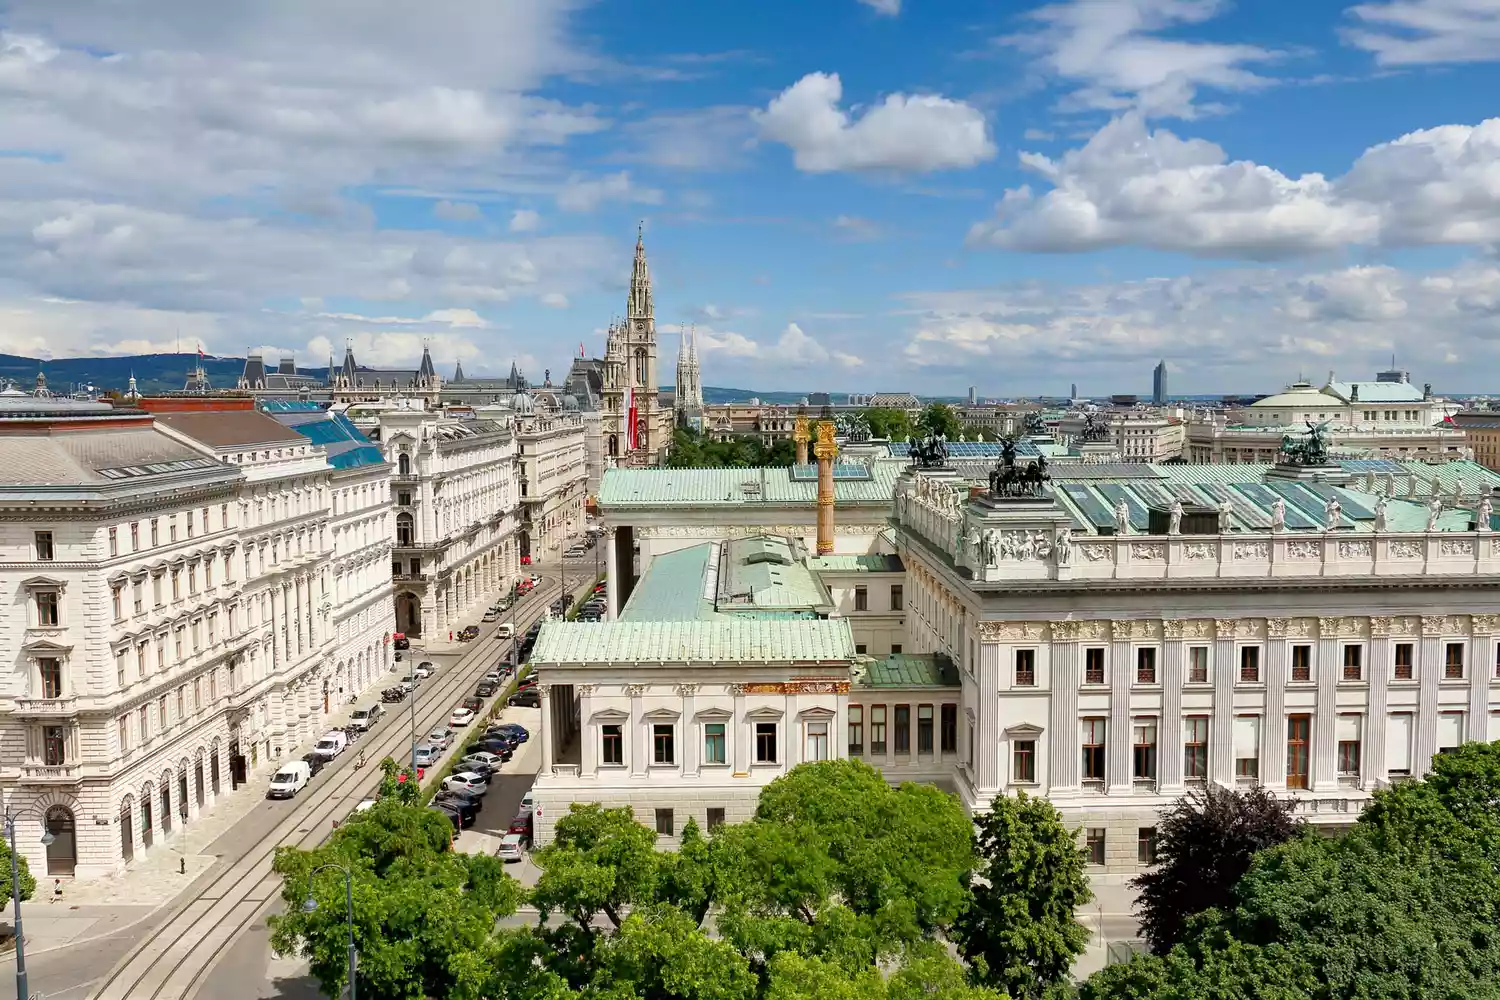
(153, 372)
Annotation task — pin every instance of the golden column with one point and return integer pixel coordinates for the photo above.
(801, 435)
(825, 450)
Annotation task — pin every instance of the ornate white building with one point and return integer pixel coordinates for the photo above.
(552, 475)
(630, 372)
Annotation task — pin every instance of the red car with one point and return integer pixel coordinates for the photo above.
(522, 825)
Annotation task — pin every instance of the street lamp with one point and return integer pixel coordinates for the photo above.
(310, 904)
(15, 898)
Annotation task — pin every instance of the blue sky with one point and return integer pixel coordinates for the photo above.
(852, 195)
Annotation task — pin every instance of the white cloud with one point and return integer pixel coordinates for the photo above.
(1416, 32)
(1038, 135)
(796, 347)
(555, 300)
(584, 194)
(396, 349)
(711, 138)
(524, 220)
(856, 229)
(1112, 50)
(456, 211)
(793, 347)
(1129, 185)
(889, 8)
(903, 133)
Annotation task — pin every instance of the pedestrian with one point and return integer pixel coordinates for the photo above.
(57, 890)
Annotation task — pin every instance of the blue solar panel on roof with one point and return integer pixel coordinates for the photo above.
(1244, 510)
(843, 471)
(1140, 520)
(1153, 494)
(1265, 496)
(1089, 504)
(1352, 507)
(968, 449)
(1372, 465)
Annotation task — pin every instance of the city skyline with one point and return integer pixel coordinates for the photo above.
(869, 192)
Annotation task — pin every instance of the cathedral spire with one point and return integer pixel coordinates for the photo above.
(638, 305)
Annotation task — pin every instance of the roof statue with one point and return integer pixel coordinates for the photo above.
(931, 452)
(1095, 428)
(853, 426)
(1035, 424)
(1010, 480)
(1309, 449)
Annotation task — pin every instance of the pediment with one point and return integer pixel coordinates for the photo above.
(46, 647)
(713, 715)
(662, 715)
(44, 583)
(816, 713)
(608, 715)
(765, 714)
(1023, 731)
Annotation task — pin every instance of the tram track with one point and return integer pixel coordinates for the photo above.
(171, 961)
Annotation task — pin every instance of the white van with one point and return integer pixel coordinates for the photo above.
(290, 778)
(331, 745)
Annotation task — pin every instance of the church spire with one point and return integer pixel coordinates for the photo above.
(638, 305)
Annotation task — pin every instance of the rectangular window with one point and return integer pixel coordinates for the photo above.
(1298, 746)
(765, 742)
(877, 730)
(161, 713)
(197, 694)
(861, 599)
(715, 818)
(1354, 668)
(1093, 749)
(1347, 734)
(1145, 845)
(47, 615)
(1450, 731)
(1195, 747)
(137, 597)
(924, 729)
(662, 749)
(44, 546)
(713, 743)
(1144, 748)
(1301, 663)
(1404, 661)
(190, 524)
(52, 680)
(143, 723)
(117, 601)
(1023, 758)
(1247, 746)
(122, 731)
(1094, 845)
(114, 541)
(903, 729)
(1250, 664)
(664, 827)
(897, 598)
(182, 701)
(155, 532)
(1197, 664)
(856, 730)
(950, 729)
(120, 655)
(859, 649)
(1093, 666)
(611, 744)
(895, 648)
(817, 741)
(1025, 668)
(54, 743)
(1453, 661)
(1145, 665)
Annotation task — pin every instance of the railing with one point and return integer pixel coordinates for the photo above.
(46, 706)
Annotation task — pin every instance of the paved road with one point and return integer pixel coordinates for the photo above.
(165, 958)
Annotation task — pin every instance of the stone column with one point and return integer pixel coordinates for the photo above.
(1169, 729)
(1477, 663)
(1273, 723)
(1224, 670)
(1062, 742)
(1118, 776)
(1327, 670)
(1372, 754)
(987, 739)
(612, 568)
(638, 745)
(825, 450)
(690, 738)
(1429, 669)
(544, 693)
(738, 732)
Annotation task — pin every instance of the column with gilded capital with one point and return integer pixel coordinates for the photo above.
(1429, 677)
(691, 741)
(987, 739)
(1118, 776)
(1273, 724)
(1169, 729)
(1477, 662)
(1062, 742)
(1221, 723)
(1372, 753)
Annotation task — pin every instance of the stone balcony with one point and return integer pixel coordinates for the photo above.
(51, 774)
(46, 708)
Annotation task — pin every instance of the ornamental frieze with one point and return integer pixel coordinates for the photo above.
(796, 687)
(1483, 624)
(1010, 631)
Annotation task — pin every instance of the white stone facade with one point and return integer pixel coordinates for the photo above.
(363, 606)
(552, 457)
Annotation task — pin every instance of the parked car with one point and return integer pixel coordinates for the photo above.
(331, 745)
(559, 607)
(441, 737)
(526, 698)
(522, 825)
(529, 681)
(468, 632)
(449, 793)
(510, 729)
(365, 805)
(428, 666)
(422, 671)
(500, 748)
(491, 614)
(401, 641)
(410, 681)
(426, 755)
(467, 809)
(512, 847)
(454, 816)
(485, 689)
(473, 704)
(505, 630)
(461, 717)
(490, 760)
(528, 803)
(467, 781)
(363, 718)
(289, 779)
(314, 763)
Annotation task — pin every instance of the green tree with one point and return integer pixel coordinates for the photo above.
(924, 974)
(888, 422)
(28, 883)
(1205, 842)
(939, 418)
(661, 952)
(600, 861)
(1020, 932)
(692, 449)
(974, 432)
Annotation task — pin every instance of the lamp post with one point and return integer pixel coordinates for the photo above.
(22, 992)
(310, 904)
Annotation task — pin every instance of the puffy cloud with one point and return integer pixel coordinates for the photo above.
(1416, 32)
(794, 346)
(1130, 185)
(584, 194)
(524, 220)
(889, 8)
(456, 211)
(1112, 52)
(903, 133)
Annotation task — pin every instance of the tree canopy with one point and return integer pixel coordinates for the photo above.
(693, 449)
(27, 881)
(939, 418)
(888, 422)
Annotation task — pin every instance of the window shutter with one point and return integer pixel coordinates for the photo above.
(1398, 742)
(1348, 729)
(1246, 736)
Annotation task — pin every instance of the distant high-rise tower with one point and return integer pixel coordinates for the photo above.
(1074, 390)
(973, 395)
(689, 384)
(1159, 384)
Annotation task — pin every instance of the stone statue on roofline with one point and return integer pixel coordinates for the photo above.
(1482, 514)
(1278, 515)
(1381, 514)
(1434, 511)
(1333, 513)
(1122, 517)
(1174, 518)
(1226, 517)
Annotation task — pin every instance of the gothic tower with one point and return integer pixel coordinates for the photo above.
(630, 364)
(689, 385)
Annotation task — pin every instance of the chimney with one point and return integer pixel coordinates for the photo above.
(825, 450)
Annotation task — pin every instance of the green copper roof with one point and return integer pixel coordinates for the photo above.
(728, 638)
(672, 588)
(838, 563)
(738, 487)
(767, 573)
(907, 670)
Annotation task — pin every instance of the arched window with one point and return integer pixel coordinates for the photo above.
(640, 367)
(403, 464)
(406, 529)
(614, 446)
